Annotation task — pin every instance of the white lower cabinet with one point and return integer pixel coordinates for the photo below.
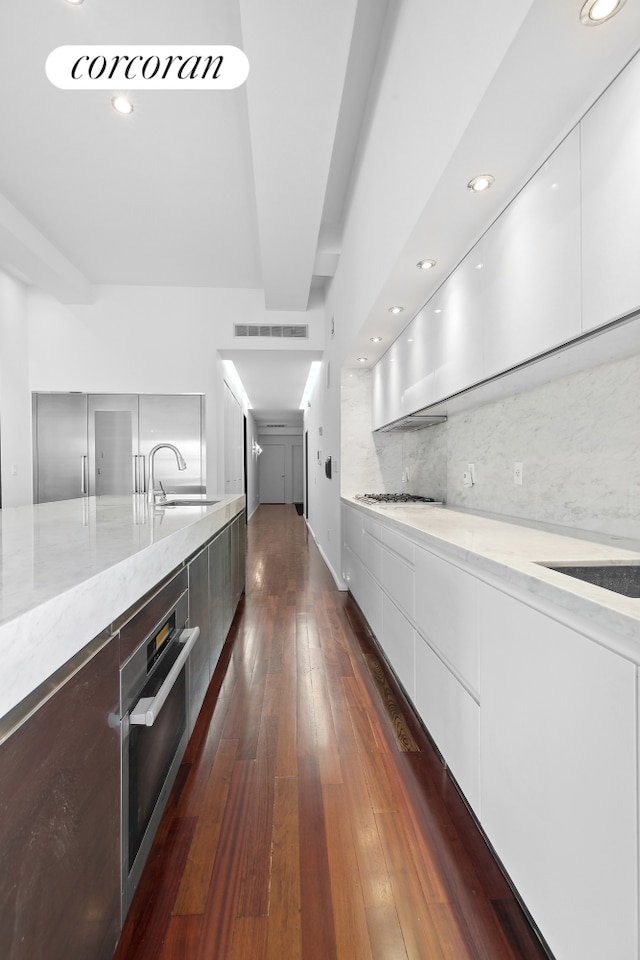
(558, 798)
(538, 725)
(446, 613)
(372, 548)
(451, 716)
(398, 644)
(352, 573)
(398, 580)
(372, 602)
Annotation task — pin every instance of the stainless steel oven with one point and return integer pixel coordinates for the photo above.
(154, 685)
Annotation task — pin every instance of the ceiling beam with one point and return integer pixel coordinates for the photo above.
(27, 254)
(294, 93)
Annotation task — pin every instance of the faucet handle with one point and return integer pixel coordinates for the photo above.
(163, 498)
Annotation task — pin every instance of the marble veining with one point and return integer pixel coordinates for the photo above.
(68, 569)
(578, 437)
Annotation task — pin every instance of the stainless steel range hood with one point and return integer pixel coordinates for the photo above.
(414, 421)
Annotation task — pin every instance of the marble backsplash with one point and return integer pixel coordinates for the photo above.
(578, 439)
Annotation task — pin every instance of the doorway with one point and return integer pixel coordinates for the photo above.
(272, 473)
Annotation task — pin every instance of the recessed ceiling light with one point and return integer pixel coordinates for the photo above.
(480, 183)
(75, 3)
(362, 359)
(438, 310)
(375, 339)
(396, 309)
(597, 11)
(479, 266)
(425, 264)
(122, 104)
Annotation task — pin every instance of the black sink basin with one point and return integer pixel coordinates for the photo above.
(623, 578)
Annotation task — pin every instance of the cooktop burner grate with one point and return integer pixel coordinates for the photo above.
(394, 498)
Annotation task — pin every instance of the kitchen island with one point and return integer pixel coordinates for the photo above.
(527, 681)
(70, 568)
(82, 583)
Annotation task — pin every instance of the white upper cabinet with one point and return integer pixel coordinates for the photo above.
(610, 135)
(387, 387)
(532, 266)
(562, 259)
(456, 313)
(403, 379)
(418, 359)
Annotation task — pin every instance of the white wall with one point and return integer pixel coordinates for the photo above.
(322, 423)
(15, 398)
(149, 340)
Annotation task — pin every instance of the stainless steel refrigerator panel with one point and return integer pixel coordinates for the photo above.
(99, 443)
(113, 443)
(60, 446)
(176, 419)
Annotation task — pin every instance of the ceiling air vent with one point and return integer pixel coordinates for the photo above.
(272, 425)
(288, 332)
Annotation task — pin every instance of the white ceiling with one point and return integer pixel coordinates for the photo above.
(249, 187)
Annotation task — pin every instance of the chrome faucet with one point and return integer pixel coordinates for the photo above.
(152, 492)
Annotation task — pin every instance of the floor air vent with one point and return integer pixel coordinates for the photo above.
(288, 332)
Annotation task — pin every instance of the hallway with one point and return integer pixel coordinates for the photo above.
(311, 819)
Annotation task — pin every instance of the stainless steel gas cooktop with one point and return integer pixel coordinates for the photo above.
(395, 498)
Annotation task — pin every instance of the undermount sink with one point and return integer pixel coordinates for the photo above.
(622, 578)
(175, 502)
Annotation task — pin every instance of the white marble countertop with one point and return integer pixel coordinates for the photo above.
(68, 569)
(508, 551)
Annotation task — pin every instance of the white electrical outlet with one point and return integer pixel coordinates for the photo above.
(517, 473)
(469, 475)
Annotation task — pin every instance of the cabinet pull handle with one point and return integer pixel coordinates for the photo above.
(83, 474)
(147, 708)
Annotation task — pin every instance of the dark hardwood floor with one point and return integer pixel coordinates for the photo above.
(311, 818)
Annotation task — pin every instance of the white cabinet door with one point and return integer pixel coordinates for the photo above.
(398, 580)
(372, 602)
(352, 575)
(610, 135)
(532, 266)
(447, 613)
(417, 359)
(379, 386)
(387, 387)
(456, 312)
(559, 768)
(451, 716)
(397, 641)
(352, 529)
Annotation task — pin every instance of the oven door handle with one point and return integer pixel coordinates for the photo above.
(147, 708)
